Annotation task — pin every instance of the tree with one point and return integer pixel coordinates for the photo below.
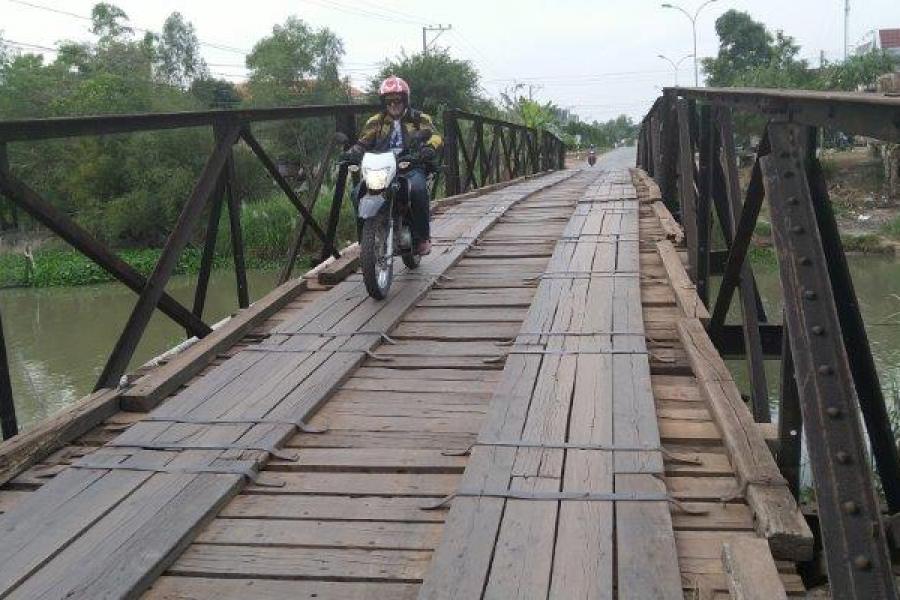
(178, 52)
(860, 71)
(437, 80)
(750, 55)
(105, 22)
(294, 53)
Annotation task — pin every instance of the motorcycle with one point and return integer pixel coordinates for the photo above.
(592, 158)
(384, 219)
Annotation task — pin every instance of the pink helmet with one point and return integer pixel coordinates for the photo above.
(394, 85)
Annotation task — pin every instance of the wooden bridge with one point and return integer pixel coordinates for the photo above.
(538, 411)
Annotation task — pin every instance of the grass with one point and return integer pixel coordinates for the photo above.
(266, 227)
(891, 229)
(868, 243)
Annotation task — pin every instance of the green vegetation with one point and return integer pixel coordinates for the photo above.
(891, 229)
(868, 243)
(750, 55)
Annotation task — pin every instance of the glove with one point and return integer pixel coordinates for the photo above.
(428, 154)
(353, 155)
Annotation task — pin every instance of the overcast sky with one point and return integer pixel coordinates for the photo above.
(600, 58)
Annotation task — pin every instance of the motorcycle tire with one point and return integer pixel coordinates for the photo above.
(372, 247)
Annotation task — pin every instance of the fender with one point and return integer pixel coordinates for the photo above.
(370, 205)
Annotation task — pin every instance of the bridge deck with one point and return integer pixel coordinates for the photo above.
(339, 514)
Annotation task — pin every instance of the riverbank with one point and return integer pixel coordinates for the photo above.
(266, 226)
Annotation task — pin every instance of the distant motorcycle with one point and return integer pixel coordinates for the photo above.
(384, 218)
(592, 158)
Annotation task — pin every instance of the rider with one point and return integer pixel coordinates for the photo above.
(393, 129)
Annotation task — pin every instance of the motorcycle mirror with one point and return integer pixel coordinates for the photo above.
(403, 164)
(353, 168)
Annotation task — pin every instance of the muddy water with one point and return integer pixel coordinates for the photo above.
(58, 339)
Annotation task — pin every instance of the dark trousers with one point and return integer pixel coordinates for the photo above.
(420, 209)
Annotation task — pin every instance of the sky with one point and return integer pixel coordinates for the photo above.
(598, 58)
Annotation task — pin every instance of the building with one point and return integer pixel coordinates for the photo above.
(889, 41)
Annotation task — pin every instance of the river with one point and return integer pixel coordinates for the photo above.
(58, 338)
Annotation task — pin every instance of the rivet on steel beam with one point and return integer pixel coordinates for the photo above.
(792, 200)
(805, 261)
(798, 229)
(833, 411)
(862, 563)
(842, 457)
(809, 295)
(817, 330)
(825, 370)
(850, 507)
(788, 174)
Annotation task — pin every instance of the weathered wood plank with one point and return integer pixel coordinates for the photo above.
(752, 574)
(777, 515)
(685, 291)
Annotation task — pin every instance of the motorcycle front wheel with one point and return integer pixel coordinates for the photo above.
(376, 256)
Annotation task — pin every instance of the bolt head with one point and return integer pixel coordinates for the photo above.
(825, 370)
(842, 457)
(850, 507)
(805, 261)
(810, 295)
(798, 229)
(863, 563)
(817, 330)
(833, 411)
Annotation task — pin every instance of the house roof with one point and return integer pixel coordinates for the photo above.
(890, 38)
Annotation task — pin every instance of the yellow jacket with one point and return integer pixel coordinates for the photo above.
(376, 133)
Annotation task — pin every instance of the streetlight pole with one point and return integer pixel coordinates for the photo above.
(693, 20)
(675, 65)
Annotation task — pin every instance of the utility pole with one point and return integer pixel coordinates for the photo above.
(438, 28)
(846, 25)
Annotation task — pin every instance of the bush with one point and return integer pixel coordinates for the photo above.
(892, 228)
(868, 243)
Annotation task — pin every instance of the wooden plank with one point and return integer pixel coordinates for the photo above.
(34, 444)
(182, 588)
(685, 291)
(670, 226)
(752, 574)
(323, 564)
(372, 460)
(346, 508)
(148, 391)
(368, 484)
(371, 535)
(777, 516)
(647, 564)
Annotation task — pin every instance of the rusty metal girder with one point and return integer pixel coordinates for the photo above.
(858, 563)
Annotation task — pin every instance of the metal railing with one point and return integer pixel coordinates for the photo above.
(828, 377)
(480, 151)
(523, 151)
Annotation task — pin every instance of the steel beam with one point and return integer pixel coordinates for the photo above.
(63, 226)
(118, 361)
(852, 534)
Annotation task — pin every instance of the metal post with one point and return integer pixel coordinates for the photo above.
(849, 515)
(8, 423)
(790, 421)
(234, 222)
(708, 152)
(156, 283)
(451, 153)
(859, 352)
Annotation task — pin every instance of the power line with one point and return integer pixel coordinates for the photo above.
(361, 12)
(134, 27)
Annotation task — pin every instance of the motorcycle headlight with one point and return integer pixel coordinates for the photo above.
(376, 179)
